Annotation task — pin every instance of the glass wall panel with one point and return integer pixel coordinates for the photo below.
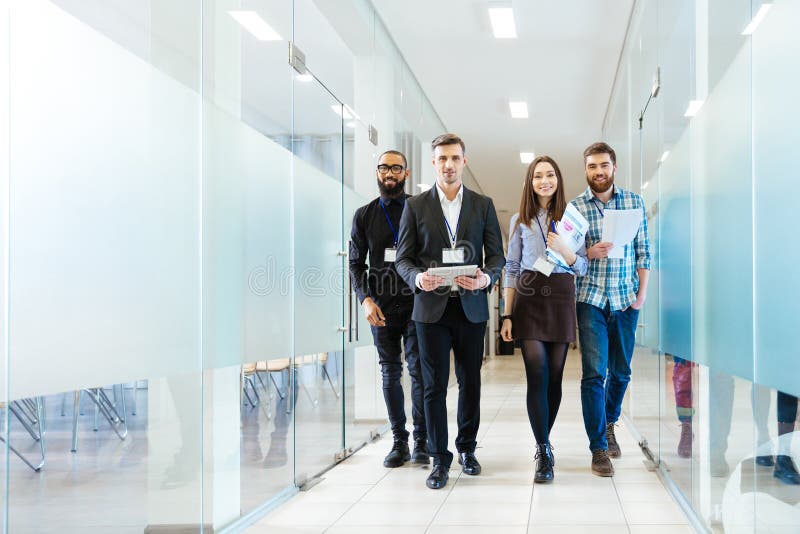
(104, 210)
(724, 134)
(247, 257)
(775, 110)
(4, 147)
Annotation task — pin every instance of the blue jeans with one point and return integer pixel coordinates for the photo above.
(607, 339)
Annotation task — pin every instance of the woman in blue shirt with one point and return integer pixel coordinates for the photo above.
(540, 299)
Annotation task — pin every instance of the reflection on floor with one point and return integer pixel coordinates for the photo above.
(360, 495)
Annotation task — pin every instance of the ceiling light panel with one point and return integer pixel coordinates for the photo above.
(760, 14)
(253, 23)
(519, 110)
(693, 108)
(527, 157)
(503, 25)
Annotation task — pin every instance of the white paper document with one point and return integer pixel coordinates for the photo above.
(620, 227)
(449, 273)
(572, 228)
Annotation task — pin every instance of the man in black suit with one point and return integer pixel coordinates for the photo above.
(449, 226)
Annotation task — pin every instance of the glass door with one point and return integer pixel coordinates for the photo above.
(319, 253)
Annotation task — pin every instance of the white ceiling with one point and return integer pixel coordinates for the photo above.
(563, 63)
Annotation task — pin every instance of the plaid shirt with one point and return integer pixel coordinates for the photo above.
(612, 281)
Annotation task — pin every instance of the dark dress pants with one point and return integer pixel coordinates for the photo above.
(454, 331)
(399, 326)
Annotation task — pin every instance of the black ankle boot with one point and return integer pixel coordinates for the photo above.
(544, 467)
(398, 455)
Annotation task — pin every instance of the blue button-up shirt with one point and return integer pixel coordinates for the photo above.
(612, 281)
(526, 245)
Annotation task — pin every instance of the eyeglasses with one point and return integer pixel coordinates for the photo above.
(396, 169)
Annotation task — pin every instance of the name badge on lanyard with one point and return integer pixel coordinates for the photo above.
(453, 254)
(389, 254)
(542, 264)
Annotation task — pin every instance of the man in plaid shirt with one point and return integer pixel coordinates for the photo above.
(609, 299)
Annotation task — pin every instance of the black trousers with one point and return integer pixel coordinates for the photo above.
(399, 326)
(452, 331)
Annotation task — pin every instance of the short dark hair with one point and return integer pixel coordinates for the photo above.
(600, 148)
(396, 153)
(448, 139)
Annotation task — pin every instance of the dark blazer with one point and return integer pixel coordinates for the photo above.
(423, 235)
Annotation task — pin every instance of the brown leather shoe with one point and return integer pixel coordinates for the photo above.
(601, 464)
(613, 446)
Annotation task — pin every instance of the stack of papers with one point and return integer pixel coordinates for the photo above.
(572, 228)
(619, 228)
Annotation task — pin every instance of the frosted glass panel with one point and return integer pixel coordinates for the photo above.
(776, 110)
(722, 222)
(104, 208)
(317, 178)
(675, 251)
(248, 253)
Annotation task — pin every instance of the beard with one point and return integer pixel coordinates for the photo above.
(602, 188)
(392, 190)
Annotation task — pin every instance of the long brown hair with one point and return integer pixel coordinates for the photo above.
(529, 205)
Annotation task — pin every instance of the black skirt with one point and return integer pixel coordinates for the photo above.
(544, 307)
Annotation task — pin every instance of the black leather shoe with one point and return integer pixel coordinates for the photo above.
(469, 464)
(785, 471)
(438, 477)
(420, 454)
(544, 469)
(765, 461)
(398, 455)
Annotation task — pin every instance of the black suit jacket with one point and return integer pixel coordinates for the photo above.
(423, 235)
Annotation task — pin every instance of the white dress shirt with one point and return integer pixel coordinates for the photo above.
(451, 209)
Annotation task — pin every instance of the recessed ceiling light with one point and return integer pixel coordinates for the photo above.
(664, 156)
(304, 77)
(519, 110)
(351, 124)
(502, 18)
(760, 14)
(252, 22)
(694, 107)
(526, 157)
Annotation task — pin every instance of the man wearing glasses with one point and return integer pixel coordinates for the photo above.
(387, 303)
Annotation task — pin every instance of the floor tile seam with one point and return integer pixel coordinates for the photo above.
(497, 412)
(352, 505)
(439, 509)
(622, 508)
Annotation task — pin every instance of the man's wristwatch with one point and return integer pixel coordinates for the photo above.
(504, 317)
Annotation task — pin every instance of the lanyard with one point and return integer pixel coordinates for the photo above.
(598, 207)
(388, 220)
(542, 232)
(452, 234)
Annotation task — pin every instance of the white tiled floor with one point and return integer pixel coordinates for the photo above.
(361, 496)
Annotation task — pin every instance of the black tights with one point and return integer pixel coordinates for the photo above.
(544, 368)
